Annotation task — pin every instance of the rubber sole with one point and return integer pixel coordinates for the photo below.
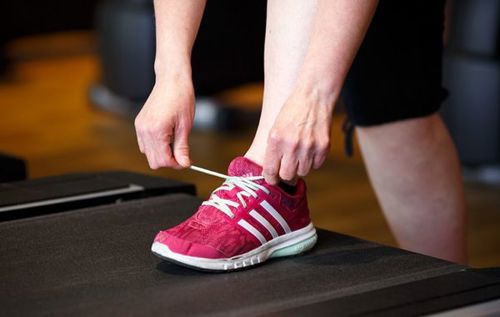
(293, 243)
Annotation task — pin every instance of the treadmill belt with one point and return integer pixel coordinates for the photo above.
(55, 187)
(97, 261)
(73, 191)
(75, 184)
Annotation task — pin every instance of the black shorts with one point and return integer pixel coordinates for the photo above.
(396, 74)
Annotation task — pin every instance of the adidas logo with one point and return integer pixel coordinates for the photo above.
(256, 215)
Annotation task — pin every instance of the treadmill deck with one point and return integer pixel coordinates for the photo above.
(98, 260)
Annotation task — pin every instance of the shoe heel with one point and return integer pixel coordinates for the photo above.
(296, 248)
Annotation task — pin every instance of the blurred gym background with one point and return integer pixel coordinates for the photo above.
(73, 74)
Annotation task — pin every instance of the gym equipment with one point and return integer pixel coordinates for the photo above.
(229, 50)
(472, 75)
(475, 27)
(96, 261)
(472, 111)
(11, 168)
(74, 191)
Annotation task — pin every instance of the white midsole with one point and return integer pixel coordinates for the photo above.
(252, 257)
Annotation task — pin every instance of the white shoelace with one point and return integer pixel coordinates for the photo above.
(246, 184)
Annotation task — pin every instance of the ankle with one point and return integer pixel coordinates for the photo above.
(255, 157)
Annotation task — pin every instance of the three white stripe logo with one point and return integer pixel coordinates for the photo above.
(252, 230)
(273, 212)
(263, 221)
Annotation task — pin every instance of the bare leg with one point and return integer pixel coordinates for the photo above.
(288, 29)
(415, 172)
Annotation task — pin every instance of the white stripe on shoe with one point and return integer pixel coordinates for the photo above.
(273, 212)
(252, 230)
(264, 223)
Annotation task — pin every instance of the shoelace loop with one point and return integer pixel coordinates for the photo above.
(247, 185)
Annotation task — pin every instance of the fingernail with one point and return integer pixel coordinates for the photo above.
(271, 181)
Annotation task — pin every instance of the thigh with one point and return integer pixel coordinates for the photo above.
(396, 74)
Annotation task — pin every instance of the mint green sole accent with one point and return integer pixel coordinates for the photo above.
(296, 248)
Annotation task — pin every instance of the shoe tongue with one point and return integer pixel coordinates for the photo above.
(241, 166)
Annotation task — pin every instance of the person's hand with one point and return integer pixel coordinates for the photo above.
(164, 123)
(300, 137)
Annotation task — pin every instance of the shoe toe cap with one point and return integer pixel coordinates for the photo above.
(188, 248)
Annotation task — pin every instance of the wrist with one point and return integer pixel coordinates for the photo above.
(319, 89)
(322, 76)
(169, 68)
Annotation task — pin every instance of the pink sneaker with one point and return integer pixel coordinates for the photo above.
(245, 222)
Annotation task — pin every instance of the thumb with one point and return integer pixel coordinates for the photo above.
(181, 147)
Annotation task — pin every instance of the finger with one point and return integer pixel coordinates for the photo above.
(146, 143)
(140, 143)
(319, 159)
(149, 153)
(271, 165)
(288, 168)
(181, 146)
(163, 151)
(271, 173)
(138, 132)
(158, 148)
(321, 153)
(305, 163)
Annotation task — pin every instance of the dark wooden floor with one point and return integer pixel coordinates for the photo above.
(46, 118)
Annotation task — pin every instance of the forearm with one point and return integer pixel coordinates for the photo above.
(177, 23)
(337, 34)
